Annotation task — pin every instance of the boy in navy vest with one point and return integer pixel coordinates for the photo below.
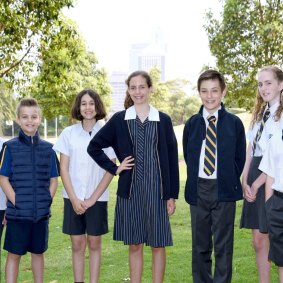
(28, 176)
(214, 146)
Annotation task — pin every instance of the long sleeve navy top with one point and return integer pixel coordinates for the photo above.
(116, 134)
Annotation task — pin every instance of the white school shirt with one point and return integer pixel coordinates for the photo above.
(272, 161)
(153, 114)
(201, 172)
(3, 199)
(84, 172)
(270, 128)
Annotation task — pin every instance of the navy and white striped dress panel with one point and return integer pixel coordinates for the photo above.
(143, 218)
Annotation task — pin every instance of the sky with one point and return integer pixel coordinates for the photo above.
(110, 27)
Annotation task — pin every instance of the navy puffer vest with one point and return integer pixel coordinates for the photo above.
(30, 179)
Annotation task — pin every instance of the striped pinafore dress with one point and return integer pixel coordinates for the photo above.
(143, 217)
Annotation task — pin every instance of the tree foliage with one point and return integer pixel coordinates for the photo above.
(23, 23)
(7, 102)
(66, 68)
(160, 94)
(42, 54)
(171, 98)
(247, 37)
(182, 107)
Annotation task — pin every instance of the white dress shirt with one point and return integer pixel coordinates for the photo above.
(270, 128)
(272, 161)
(84, 172)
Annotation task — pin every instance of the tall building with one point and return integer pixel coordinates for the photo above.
(145, 56)
(117, 82)
(135, 54)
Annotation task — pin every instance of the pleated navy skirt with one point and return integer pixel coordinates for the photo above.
(253, 213)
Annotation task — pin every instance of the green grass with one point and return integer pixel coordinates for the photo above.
(115, 255)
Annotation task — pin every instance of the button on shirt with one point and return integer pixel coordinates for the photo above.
(84, 172)
(272, 161)
(270, 128)
(201, 173)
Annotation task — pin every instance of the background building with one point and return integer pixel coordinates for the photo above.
(117, 81)
(145, 56)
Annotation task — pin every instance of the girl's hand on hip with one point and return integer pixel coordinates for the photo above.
(126, 164)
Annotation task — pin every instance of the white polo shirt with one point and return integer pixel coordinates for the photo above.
(272, 161)
(270, 128)
(3, 199)
(84, 172)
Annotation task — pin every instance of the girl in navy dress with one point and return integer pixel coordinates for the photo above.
(147, 190)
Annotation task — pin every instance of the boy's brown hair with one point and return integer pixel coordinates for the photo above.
(27, 102)
(212, 75)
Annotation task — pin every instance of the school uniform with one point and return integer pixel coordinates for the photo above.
(141, 208)
(272, 165)
(212, 197)
(30, 163)
(253, 213)
(85, 176)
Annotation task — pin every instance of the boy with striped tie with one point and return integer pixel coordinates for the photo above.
(214, 146)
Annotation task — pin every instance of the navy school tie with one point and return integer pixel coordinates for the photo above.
(210, 146)
(259, 132)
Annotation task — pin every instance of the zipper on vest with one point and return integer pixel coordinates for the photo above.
(33, 176)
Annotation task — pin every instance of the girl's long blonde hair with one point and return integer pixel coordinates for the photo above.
(260, 103)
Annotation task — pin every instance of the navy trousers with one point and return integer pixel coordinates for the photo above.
(212, 228)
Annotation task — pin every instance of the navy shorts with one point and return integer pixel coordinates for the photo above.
(23, 237)
(93, 222)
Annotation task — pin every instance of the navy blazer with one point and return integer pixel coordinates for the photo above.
(115, 133)
(231, 154)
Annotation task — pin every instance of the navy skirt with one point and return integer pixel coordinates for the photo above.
(254, 213)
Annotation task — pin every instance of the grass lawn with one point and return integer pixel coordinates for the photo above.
(115, 255)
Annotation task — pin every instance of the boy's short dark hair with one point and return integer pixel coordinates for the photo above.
(99, 106)
(211, 75)
(27, 102)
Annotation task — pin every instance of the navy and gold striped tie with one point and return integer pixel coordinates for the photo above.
(259, 132)
(210, 146)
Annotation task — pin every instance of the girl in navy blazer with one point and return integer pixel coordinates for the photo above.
(147, 190)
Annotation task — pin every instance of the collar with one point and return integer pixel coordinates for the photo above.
(272, 108)
(219, 112)
(95, 128)
(152, 116)
(28, 139)
(205, 113)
